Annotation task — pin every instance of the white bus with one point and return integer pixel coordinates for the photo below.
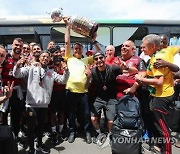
(115, 32)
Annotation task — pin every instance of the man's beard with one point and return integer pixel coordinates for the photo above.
(36, 54)
(17, 51)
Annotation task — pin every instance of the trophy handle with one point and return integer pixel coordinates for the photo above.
(93, 31)
(57, 15)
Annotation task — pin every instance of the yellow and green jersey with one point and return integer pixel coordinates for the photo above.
(167, 89)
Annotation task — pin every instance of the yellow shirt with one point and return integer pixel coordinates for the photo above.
(77, 78)
(167, 89)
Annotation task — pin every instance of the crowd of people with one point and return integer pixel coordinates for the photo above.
(50, 90)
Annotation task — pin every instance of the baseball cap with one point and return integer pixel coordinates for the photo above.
(98, 53)
(89, 53)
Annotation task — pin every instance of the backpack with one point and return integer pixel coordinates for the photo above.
(128, 115)
(127, 127)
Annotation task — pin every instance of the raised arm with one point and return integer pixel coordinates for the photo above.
(20, 72)
(67, 37)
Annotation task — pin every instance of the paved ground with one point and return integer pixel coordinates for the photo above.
(81, 147)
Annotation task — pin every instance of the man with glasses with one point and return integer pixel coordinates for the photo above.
(103, 76)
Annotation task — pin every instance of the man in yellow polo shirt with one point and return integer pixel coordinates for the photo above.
(160, 81)
(76, 86)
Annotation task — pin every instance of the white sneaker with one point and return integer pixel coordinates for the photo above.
(107, 142)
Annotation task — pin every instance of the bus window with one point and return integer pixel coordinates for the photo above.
(103, 35)
(57, 35)
(121, 34)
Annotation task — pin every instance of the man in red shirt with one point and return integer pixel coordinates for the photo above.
(15, 102)
(135, 65)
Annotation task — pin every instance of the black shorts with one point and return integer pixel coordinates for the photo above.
(58, 101)
(109, 107)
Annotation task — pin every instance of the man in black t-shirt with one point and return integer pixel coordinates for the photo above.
(103, 76)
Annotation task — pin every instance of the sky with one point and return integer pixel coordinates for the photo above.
(94, 9)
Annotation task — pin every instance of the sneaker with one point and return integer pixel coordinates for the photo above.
(62, 137)
(36, 140)
(101, 138)
(54, 138)
(42, 149)
(24, 131)
(47, 134)
(33, 151)
(88, 138)
(20, 143)
(177, 144)
(71, 137)
(146, 147)
(95, 138)
(156, 149)
(106, 143)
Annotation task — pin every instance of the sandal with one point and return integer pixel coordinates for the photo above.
(177, 144)
(156, 149)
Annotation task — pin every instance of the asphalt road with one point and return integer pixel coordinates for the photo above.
(81, 147)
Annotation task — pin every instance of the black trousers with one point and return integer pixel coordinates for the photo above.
(35, 121)
(80, 101)
(160, 108)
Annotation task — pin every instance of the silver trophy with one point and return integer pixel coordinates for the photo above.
(78, 24)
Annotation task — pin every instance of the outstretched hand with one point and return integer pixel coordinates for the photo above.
(8, 89)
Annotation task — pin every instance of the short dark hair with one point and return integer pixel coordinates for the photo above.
(45, 51)
(19, 39)
(98, 53)
(78, 43)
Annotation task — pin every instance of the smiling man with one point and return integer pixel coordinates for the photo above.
(39, 89)
(103, 76)
(77, 92)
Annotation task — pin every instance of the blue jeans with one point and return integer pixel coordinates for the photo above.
(78, 101)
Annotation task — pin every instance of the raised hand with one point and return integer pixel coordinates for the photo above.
(8, 89)
(67, 20)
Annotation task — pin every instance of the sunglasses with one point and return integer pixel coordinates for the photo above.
(100, 58)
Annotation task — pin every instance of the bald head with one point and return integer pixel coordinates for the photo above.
(110, 52)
